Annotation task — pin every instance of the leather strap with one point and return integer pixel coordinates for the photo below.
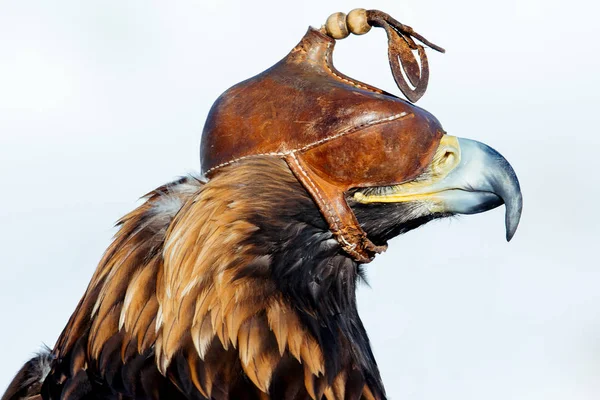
(334, 208)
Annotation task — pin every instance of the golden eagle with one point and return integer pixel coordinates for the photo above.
(242, 285)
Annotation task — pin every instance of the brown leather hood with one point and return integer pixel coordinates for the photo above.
(335, 133)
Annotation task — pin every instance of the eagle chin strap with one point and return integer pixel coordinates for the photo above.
(401, 46)
(334, 208)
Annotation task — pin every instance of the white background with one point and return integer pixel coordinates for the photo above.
(101, 101)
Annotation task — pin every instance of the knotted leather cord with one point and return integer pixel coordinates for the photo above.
(401, 47)
(400, 53)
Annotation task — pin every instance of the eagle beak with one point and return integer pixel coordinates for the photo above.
(464, 177)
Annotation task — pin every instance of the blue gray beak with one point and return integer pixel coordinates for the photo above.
(465, 177)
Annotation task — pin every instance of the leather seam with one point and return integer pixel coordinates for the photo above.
(313, 144)
(331, 70)
(353, 129)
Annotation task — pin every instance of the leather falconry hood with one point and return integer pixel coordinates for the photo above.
(335, 132)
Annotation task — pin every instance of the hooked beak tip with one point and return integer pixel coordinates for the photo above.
(494, 174)
(510, 233)
(513, 216)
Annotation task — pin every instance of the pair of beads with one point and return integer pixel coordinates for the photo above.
(340, 25)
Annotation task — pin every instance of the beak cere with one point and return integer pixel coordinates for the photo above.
(464, 177)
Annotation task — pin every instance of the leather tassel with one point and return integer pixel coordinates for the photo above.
(410, 75)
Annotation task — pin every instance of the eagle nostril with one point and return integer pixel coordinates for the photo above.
(449, 158)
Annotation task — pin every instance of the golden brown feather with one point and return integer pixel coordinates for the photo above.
(183, 290)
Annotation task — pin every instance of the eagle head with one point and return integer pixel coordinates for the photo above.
(340, 136)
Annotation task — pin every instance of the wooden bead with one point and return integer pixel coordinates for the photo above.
(336, 26)
(357, 21)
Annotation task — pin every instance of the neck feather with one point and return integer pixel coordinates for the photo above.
(251, 268)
